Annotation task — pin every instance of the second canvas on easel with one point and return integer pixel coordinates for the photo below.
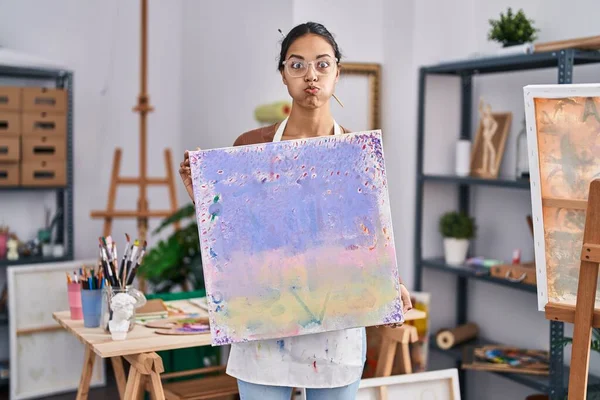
(563, 128)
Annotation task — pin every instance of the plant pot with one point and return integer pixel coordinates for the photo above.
(455, 250)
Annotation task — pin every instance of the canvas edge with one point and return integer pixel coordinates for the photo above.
(388, 210)
(443, 374)
(531, 92)
(11, 272)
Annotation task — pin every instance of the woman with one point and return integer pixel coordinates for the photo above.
(328, 364)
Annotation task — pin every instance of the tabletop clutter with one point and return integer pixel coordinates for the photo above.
(102, 295)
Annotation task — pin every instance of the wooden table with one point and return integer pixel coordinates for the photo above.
(139, 349)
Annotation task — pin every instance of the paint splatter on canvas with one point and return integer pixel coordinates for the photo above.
(567, 140)
(296, 237)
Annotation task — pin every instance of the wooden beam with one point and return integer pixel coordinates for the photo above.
(566, 313)
(564, 203)
(136, 181)
(131, 214)
(590, 252)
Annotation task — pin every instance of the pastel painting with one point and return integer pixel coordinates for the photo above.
(568, 146)
(296, 237)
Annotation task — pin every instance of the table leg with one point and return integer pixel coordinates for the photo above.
(144, 366)
(117, 364)
(86, 373)
(134, 382)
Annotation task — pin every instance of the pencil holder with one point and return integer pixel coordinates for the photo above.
(74, 295)
(91, 301)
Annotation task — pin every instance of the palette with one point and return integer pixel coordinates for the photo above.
(296, 237)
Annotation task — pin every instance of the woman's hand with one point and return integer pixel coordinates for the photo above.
(406, 304)
(186, 174)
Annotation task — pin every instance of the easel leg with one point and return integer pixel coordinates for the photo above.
(112, 191)
(171, 184)
(582, 331)
(117, 364)
(86, 374)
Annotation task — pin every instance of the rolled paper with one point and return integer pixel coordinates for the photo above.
(273, 112)
(448, 338)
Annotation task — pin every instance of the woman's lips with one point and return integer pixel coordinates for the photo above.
(312, 90)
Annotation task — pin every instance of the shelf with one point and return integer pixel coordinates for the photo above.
(470, 180)
(510, 63)
(478, 273)
(31, 260)
(31, 188)
(537, 382)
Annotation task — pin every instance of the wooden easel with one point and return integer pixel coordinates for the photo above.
(143, 212)
(582, 315)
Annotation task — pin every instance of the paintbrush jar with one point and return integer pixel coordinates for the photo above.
(119, 305)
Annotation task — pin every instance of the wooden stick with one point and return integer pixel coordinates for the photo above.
(586, 299)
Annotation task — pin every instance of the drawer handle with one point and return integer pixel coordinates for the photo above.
(44, 150)
(3, 149)
(44, 125)
(3, 174)
(515, 280)
(3, 99)
(43, 175)
(3, 124)
(45, 100)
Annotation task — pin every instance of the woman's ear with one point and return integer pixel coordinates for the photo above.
(337, 73)
(283, 78)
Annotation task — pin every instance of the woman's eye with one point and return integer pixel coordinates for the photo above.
(323, 64)
(297, 65)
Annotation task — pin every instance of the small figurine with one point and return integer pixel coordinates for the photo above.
(12, 245)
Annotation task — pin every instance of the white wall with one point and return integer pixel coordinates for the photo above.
(229, 65)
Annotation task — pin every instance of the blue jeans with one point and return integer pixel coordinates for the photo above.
(252, 391)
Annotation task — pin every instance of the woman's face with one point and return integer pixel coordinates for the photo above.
(313, 88)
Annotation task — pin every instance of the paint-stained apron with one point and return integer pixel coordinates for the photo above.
(322, 360)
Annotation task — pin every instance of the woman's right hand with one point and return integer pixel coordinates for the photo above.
(186, 174)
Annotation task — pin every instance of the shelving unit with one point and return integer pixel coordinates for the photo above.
(555, 385)
(64, 194)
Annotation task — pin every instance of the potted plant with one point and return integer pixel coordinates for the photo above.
(175, 262)
(512, 29)
(457, 229)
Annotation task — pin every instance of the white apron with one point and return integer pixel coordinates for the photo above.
(322, 360)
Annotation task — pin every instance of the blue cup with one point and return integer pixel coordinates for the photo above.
(91, 305)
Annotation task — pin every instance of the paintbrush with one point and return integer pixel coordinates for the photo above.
(123, 270)
(137, 264)
(106, 263)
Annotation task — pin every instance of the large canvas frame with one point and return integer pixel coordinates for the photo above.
(563, 133)
(296, 237)
(45, 359)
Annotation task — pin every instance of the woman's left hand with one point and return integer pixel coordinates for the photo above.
(406, 304)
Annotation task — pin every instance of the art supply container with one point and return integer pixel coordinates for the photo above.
(108, 293)
(91, 301)
(74, 295)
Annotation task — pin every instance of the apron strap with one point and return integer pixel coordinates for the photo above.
(337, 130)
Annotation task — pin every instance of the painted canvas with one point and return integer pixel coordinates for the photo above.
(296, 237)
(563, 128)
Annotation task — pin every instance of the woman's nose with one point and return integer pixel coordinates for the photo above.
(311, 74)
